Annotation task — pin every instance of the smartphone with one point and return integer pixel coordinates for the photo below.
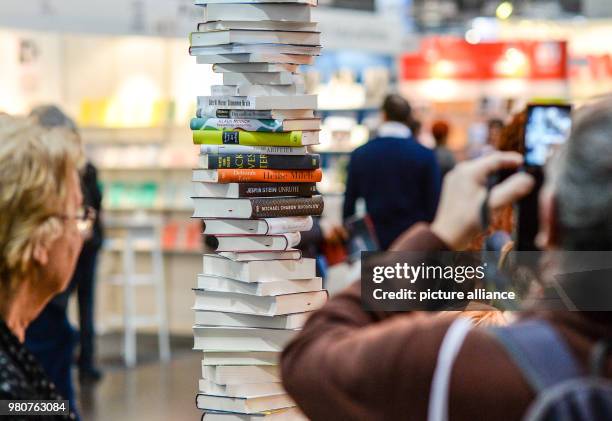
(547, 128)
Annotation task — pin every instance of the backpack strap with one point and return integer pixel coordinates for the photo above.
(539, 352)
(440, 383)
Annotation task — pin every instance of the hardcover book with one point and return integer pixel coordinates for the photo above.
(297, 102)
(259, 161)
(237, 137)
(232, 58)
(258, 226)
(272, 207)
(257, 26)
(288, 114)
(255, 125)
(240, 36)
(248, 190)
(244, 11)
(258, 271)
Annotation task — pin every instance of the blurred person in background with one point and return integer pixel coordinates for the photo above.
(446, 160)
(398, 178)
(50, 337)
(345, 341)
(43, 224)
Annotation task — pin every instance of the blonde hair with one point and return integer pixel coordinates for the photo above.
(35, 165)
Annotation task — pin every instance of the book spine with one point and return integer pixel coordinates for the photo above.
(292, 206)
(225, 113)
(246, 190)
(248, 124)
(268, 176)
(270, 150)
(220, 137)
(283, 225)
(233, 102)
(263, 161)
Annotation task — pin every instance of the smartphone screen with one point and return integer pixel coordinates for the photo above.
(547, 128)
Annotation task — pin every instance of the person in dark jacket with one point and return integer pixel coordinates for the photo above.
(398, 178)
(43, 227)
(51, 337)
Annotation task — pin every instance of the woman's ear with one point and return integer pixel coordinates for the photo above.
(40, 253)
(548, 236)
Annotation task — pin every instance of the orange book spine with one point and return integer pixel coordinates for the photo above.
(268, 176)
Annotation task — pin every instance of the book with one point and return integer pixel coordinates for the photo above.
(277, 242)
(259, 305)
(256, 176)
(217, 318)
(243, 405)
(255, 125)
(216, 283)
(236, 374)
(246, 190)
(244, 390)
(288, 414)
(248, 256)
(277, 78)
(254, 67)
(205, 112)
(238, 339)
(307, 50)
(258, 90)
(258, 271)
(258, 226)
(241, 36)
(253, 58)
(268, 207)
(207, 2)
(257, 12)
(270, 150)
(262, 25)
(259, 161)
(237, 137)
(297, 102)
(240, 358)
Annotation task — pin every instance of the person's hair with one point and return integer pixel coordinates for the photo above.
(512, 134)
(397, 108)
(581, 178)
(495, 123)
(35, 164)
(415, 127)
(439, 131)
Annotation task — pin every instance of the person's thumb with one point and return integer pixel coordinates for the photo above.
(510, 190)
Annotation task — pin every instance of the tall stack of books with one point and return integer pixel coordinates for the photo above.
(255, 190)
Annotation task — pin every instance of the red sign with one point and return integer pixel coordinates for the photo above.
(454, 58)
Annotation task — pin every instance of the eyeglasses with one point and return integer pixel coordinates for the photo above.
(84, 217)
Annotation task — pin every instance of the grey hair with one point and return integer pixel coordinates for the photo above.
(582, 180)
(50, 116)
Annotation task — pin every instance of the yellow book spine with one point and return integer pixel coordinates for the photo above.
(221, 137)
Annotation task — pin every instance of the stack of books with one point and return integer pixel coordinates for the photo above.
(255, 190)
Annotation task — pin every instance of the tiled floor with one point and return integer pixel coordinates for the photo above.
(152, 391)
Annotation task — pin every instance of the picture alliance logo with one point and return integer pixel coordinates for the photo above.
(412, 273)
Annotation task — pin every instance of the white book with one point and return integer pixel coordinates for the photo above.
(238, 190)
(257, 12)
(254, 67)
(259, 271)
(297, 102)
(237, 374)
(249, 256)
(253, 58)
(240, 358)
(243, 405)
(278, 78)
(262, 25)
(268, 150)
(258, 90)
(276, 242)
(220, 318)
(288, 414)
(272, 288)
(286, 114)
(267, 226)
(207, 2)
(259, 305)
(263, 125)
(308, 50)
(213, 207)
(238, 339)
(241, 36)
(243, 390)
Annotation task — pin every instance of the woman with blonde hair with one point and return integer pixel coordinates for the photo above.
(42, 226)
